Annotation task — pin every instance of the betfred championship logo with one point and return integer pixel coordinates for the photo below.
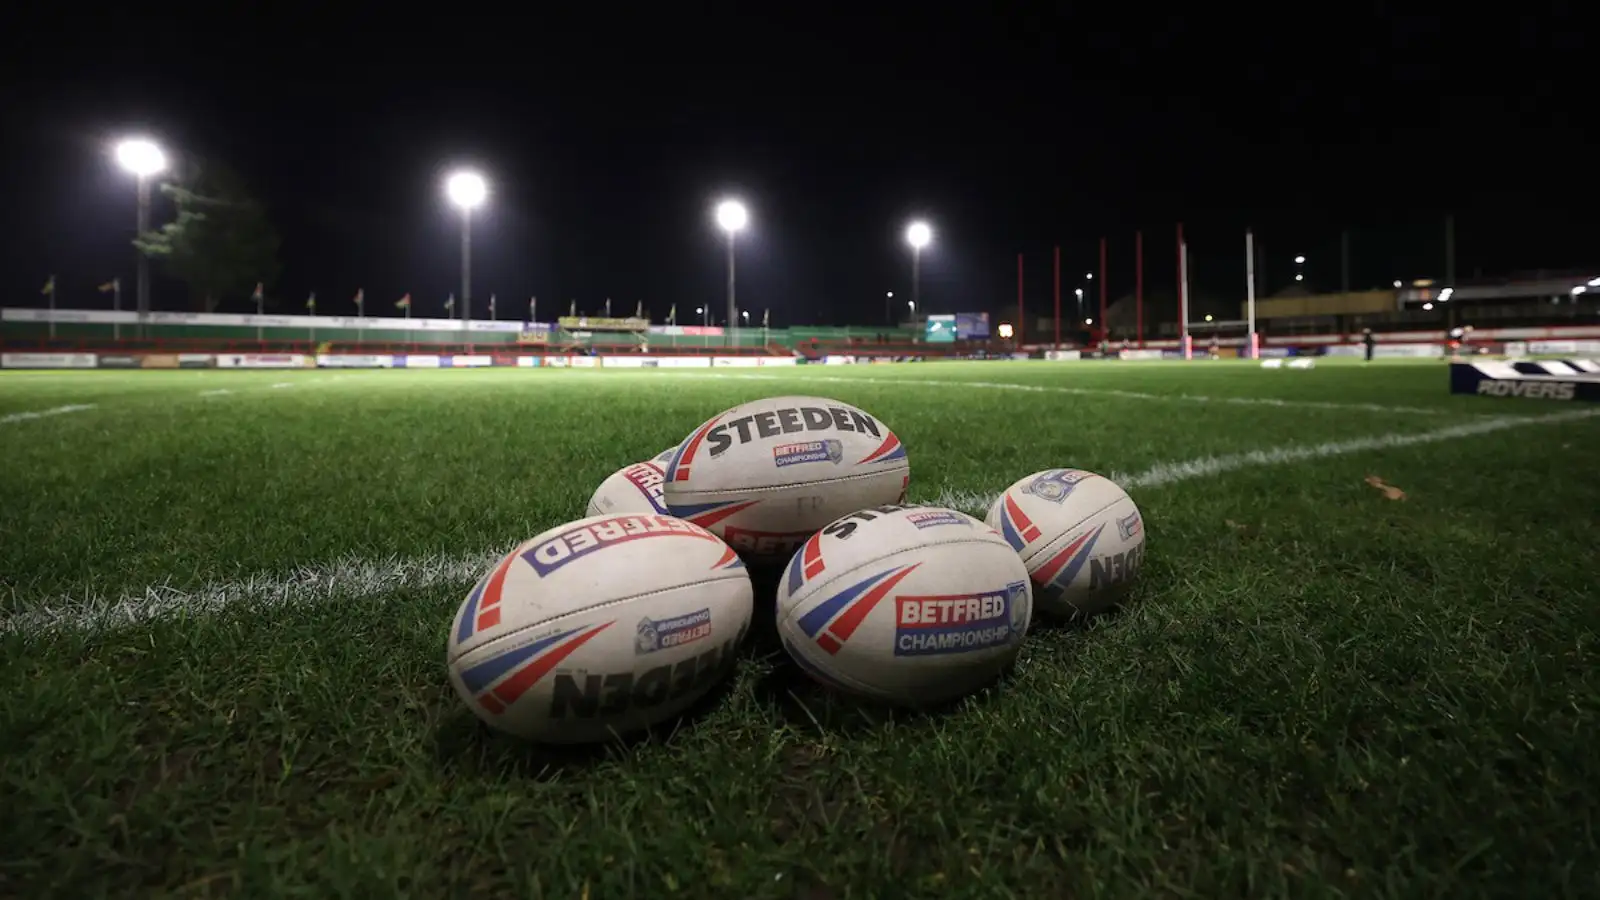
(829, 450)
(664, 634)
(933, 518)
(1056, 484)
(957, 623)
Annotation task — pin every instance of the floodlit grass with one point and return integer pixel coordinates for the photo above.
(1315, 690)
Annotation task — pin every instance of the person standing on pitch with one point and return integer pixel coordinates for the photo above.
(1368, 341)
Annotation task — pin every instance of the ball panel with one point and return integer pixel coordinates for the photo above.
(602, 672)
(1080, 535)
(769, 523)
(633, 489)
(586, 563)
(891, 617)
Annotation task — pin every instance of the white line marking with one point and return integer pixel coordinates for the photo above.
(1102, 392)
(1210, 466)
(354, 577)
(44, 413)
(348, 577)
(284, 384)
(217, 392)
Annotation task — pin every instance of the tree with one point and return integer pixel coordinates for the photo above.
(221, 243)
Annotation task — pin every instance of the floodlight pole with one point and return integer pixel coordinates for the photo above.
(916, 281)
(142, 278)
(732, 314)
(1250, 289)
(466, 263)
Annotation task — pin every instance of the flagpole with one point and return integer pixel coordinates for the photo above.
(260, 299)
(52, 307)
(116, 307)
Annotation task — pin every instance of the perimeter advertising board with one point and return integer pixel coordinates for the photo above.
(972, 326)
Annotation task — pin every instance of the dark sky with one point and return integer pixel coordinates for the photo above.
(607, 141)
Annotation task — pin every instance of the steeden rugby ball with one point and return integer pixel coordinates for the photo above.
(766, 475)
(630, 489)
(904, 604)
(599, 627)
(1080, 534)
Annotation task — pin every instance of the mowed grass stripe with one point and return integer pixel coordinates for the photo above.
(354, 577)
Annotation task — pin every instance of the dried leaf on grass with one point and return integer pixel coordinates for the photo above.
(1389, 490)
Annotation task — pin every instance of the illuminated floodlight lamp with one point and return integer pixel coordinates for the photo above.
(1299, 260)
(918, 234)
(141, 157)
(466, 189)
(1088, 321)
(732, 216)
(1005, 330)
(1427, 306)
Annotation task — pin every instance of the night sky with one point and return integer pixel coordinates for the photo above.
(606, 143)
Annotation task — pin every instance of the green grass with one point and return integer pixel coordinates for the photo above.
(1314, 690)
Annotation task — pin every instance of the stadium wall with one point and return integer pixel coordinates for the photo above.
(70, 324)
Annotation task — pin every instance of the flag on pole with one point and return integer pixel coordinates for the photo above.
(361, 300)
(450, 302)
(403, 302)
(111, 286)
(766, 317)
(638, 311)
(608, 307)
(311, 302)
(260, 291)
(574, 310)
(49, 289)
(533, 309)
(491, 306)
(672, 315)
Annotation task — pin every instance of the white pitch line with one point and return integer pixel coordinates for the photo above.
(216, 393)
(349, 577)
(284, 384)
(1165, 473)
(44, 413)
(1101, 392)
(354, 577)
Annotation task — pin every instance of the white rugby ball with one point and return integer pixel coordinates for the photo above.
(661, 459)
(766, 475)
(599, 627)
(1079, 533)
(904, 604)
(630, 489)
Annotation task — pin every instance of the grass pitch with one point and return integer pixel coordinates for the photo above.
(226, 594)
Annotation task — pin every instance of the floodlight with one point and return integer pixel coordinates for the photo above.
(466, 189)
(141, 157)
(732, 216)
(918, 234)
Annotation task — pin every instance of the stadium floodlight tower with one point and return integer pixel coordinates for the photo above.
(467, 190)
(732, 217)
(918, 234)
(143, 158)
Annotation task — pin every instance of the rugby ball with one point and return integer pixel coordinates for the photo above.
(661, 459)
(599, 627)
(764, 476)
(1080, 535)
(906, 605)
(630, 489)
